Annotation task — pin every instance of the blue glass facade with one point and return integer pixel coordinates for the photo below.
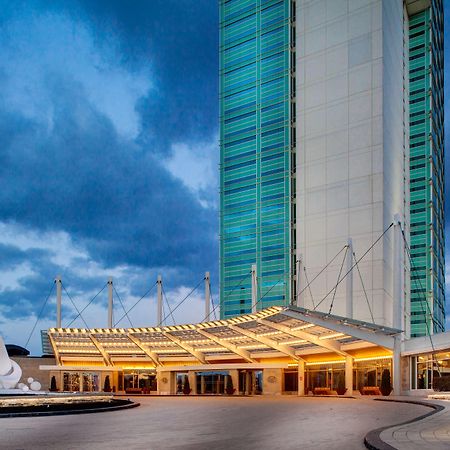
(426, 120)
(257, 152)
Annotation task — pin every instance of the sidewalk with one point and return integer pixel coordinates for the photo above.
(432, 432)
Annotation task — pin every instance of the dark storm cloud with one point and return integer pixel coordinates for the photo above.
(65, 162)
(84, 179)
(179, 39)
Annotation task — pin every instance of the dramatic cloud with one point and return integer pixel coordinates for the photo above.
(101, 104)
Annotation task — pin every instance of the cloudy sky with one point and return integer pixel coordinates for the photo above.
(108, 157)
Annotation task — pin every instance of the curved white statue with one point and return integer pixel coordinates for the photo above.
(10, 371)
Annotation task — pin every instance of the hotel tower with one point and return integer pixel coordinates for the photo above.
(332, 131)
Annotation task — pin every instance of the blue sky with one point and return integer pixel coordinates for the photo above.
(108, 156)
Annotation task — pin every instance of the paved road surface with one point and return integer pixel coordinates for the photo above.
(431, 433)
(216, 423)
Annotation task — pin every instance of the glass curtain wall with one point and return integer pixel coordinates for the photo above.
(257, 160)
(425, 369)
(426, 121)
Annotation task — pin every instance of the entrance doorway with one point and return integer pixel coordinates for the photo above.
(250, 382)
(213, 383)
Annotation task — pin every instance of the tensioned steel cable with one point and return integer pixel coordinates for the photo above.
(74, 305)
(148, 292)
(168, 304)
(408, 252)
(321, 271)
(339, 276)
(212, 302)
(92, 299)
(309, 286)
(40, 313)
(364, 289)
(286, 274)
(213, 311)
(182, 301)
(229, 293)
(121, 303)
(351, 268)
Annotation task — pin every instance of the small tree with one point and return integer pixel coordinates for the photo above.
(53, 384)
(186, 387)
(341, 389)
(229, 387)
(386, 387)
(107, 385)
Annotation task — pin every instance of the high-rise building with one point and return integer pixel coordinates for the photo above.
(315, 131)
(426, 121)
(257, 83)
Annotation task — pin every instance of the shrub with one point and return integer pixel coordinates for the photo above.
(229, 388)
(53, 384)
(441, 383)
(186, 387)
(386, 387)
(341, 389)
(107, 385)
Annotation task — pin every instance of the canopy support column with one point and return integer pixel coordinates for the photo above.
(396, 366)
(301, 377)
(110, 302)
(160, 304)
(254, 289)
(58, 300)
(349, 374)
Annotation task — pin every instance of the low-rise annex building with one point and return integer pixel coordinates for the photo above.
(279, 350)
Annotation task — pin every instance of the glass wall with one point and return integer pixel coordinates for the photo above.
(290, 380)
(90, 381)
(324, 375)
(257, 162)
(426, 368)
(145, 380)
(368, 373)
(250, 382)
(211, 382)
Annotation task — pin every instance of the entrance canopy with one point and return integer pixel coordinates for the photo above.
(276, 333)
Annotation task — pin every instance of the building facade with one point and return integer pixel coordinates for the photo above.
(426, 120)
(315, 166)
(257, 158)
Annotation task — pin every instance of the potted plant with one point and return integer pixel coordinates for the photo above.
(441, 383)
(386, 387)
(229, 386)
(186, 388)
(53, 384)
(341, 389)
(107, 385)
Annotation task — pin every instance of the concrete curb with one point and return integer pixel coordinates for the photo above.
(373, 441)
(69, 411)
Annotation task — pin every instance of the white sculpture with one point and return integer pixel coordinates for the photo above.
(10, 371)
(35, 386)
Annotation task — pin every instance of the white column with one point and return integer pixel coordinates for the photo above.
(254, 288)
(110, 302)
(396, 367)
(299, 297)
(159, 312)
(301, 378)
(349, 281)
(58, 300)
(202, 385)
(398, 283)
(349, 375)
(207, 296)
